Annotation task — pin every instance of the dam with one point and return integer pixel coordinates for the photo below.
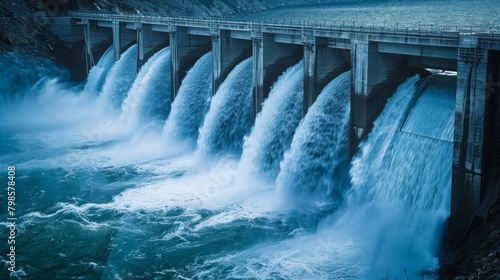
(250, 147)
(379, 59)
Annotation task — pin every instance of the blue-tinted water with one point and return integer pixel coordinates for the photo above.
(98, 73)
(435, 14)
(99, 200)
(264, 147)
(230, 114)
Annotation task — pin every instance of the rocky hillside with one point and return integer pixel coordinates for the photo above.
(479, 258)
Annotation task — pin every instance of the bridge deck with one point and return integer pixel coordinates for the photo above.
(442, 36)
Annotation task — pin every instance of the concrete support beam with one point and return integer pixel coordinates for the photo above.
(271, 59)
(185, 50)
(216, 61)
(149, 42)
(321, 65)
(258, 73)
(122, 38)
(174, 64)
(227, 53)
(89, 61)
(310, 73)
(117, 44)
(140, 46)
(375, 77)
(469, 132)
(104, 23)
(418, 50)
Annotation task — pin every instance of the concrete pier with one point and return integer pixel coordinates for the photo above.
(469, 130)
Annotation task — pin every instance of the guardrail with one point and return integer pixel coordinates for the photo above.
(240, 23)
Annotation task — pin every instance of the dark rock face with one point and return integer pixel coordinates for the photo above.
(479, 258)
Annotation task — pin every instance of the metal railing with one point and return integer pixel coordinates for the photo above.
(292, 26)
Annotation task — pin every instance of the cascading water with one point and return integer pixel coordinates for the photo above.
(121, 78)
(275, 125)
(230, 114)
(97, 75)
(102, 205)
(192, 102)
(313, 164)
(149, 97)
(401, 178)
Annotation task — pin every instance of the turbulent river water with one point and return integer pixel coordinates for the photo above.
(113, 181)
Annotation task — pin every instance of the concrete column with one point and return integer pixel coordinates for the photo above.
(258, 74)
(469, 131)
(310, 56)
(140, 45)
(375, 77)
(216, 61)
(117, 43)
(359, 92)
(88, 46)
(174, 65)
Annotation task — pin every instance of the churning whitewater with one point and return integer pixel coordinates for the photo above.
(109, 189)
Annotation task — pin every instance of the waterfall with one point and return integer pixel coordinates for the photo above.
(230, 115)
(97, 75)
(401, 177)
(192, 101)
(149, 97)
(275, 125)
(120, 78)
(319, 146)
